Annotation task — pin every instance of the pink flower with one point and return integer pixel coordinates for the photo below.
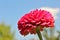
(28, 23)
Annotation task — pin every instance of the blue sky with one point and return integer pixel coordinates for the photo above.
(12, 10)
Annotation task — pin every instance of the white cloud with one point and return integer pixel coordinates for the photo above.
(54, 11)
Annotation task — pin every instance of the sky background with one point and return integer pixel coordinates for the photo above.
(12, 10)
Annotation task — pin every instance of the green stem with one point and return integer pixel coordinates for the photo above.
(39, 33)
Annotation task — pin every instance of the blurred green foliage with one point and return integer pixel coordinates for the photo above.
(50, 34)
(5, 32)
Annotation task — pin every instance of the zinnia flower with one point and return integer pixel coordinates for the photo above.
(30, 21)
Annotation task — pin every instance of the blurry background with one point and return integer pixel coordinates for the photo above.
(5, 32)
(12, 10)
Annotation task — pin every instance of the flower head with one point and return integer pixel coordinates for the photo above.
(29, 22)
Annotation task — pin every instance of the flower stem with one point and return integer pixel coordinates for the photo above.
(39, 33)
